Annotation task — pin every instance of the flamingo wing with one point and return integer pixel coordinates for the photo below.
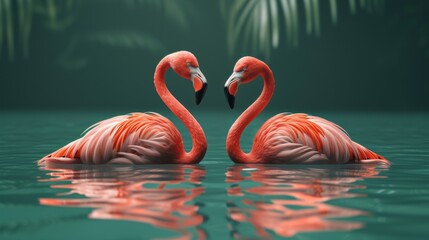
(137, 138)
(300, 138)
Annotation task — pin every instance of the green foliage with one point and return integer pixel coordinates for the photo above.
(175, 11)
(59, 15)
(6, 27)
(258, 25)
(16, 19)
(125, 39)
(172, 9)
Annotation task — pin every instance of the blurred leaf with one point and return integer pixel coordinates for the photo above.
(173, 9)
(123, 39)
(128, 39)
(308, 16)
(294, 19)
(288, 21)
(1, 27)
(333, 6)
(239, 23)
(16, 21)
(316, 17)
(59, 17)
(275, 23)
(57, 13)
(25, 20)
(9, 28)
(352, 4)
(257, 22)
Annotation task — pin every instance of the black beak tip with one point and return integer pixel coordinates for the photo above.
(200, 94)
(230, 98)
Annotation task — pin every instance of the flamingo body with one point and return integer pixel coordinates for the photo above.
(300, 138)
(137, 138)
(143, 138)
(287, 138)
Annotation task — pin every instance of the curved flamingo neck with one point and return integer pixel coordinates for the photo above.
(233, 140)
(199, 142)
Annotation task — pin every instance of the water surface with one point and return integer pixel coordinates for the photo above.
(215, 199)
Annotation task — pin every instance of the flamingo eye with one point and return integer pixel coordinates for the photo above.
(192, 65)
(189, 64)
(243, 69)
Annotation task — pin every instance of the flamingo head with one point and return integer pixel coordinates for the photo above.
(246, 70)
(185, 64)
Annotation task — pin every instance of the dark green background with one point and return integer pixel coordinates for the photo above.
(364, 62)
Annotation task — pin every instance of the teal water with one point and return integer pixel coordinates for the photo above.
(215, 199)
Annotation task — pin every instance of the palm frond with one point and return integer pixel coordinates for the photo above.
(16, 19)
(15, 30)
(8, 15)
(240, 21)
(128, 39)
(173, 10)
(289, 23)
(352, 4)
(117, 39)
(25, 16)
(257, 22)
(274, 23)
(316, 17)
(295, 23)
(1, 28)
(333, 8)
(308, 16)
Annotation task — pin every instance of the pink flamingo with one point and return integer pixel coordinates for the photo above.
(144, 138)
(287, 138)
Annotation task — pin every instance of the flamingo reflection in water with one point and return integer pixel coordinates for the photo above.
(290, 199)
(163, 196)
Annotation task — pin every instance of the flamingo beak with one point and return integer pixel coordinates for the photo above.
(200, 84)
(230, 98)
(200, 94)
(231, 87)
